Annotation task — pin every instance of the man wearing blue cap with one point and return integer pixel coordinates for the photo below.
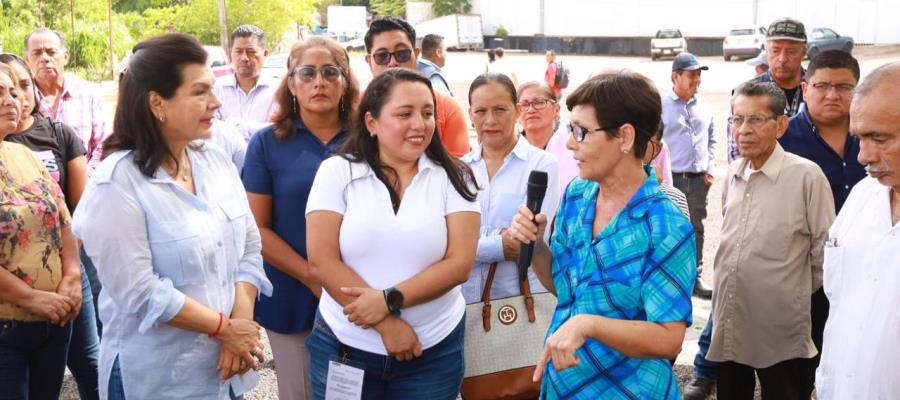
(690, 134)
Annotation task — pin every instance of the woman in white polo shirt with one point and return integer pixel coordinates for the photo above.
(392, 230)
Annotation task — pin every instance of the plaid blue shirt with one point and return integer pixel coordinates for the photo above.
(642, 267)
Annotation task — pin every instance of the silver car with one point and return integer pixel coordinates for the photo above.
(824, 39)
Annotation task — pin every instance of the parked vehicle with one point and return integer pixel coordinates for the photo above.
(824, 39)
(460, 31)
(276, 65)
(744, 42)
(357, 44)
(667, 42)
(218, 61)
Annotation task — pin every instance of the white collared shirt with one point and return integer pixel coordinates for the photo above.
(248, 112)
(385, 248)
(155, 245)
(500, 199)
(862, 281)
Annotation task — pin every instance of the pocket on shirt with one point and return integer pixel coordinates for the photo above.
(176, 252)
(236, 213)
(831, 269)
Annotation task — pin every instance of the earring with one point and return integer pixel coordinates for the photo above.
(294, 105)
(341, 105)
(162, 118)
(625, 151)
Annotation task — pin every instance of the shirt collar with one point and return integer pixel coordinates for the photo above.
(231, 81)
(674, 97)
(639, 204)
(429, 63)
(772, 167)
(521, 150)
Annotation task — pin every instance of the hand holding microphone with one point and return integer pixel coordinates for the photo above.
(537, 188)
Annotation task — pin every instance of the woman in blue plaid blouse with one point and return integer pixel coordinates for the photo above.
(622, 258)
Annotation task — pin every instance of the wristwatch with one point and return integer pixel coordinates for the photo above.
(394, 300)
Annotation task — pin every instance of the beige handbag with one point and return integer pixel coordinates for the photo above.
(504, 339)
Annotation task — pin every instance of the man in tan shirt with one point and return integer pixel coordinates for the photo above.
(777, 210)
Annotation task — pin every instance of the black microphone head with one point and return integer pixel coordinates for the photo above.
(537, 184)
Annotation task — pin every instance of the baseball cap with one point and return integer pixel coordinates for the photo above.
(761, 59)
(687, 61)
(786, 29)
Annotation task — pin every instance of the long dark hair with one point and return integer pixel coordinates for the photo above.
(362, 146)
(155, 66)
(7, 58)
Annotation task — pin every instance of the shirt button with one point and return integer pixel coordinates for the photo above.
(219, 244)
(732, 270)
(846, 186)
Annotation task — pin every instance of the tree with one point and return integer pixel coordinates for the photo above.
(447, 7)
(384, 8)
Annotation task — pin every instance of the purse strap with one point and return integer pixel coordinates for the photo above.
(524, 287)
(486, 298)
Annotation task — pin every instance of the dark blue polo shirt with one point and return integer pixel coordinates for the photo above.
(804, 140)
(285, 170)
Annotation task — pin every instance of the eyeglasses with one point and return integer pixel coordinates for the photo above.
(578, 133)
(752, 120)
(329, 73)
(842, 88)
(384, 57)
(537, 104)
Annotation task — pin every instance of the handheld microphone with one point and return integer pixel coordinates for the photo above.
(537, 187)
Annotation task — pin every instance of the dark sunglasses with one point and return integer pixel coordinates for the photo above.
(384, 57)
(329, 73)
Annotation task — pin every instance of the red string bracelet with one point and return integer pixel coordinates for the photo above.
(216, 333)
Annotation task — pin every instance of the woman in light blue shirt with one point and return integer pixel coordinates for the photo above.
(167, 224)
(502, 163)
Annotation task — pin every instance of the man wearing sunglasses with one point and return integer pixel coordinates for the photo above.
(390, 44)
(820, 132)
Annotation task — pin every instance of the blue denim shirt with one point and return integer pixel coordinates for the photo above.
(642, 267)
(154, 245)
(842, 170)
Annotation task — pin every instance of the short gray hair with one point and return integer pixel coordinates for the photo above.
(889, 72)
(777, 101)
(62, 39)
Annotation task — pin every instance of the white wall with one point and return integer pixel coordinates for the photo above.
(867, 21)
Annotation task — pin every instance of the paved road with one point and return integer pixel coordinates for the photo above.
(717, 84)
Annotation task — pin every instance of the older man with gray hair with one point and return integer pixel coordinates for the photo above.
(862, 272)
(777, 210)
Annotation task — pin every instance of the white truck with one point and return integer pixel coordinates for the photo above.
(667, 42)
(460, 31)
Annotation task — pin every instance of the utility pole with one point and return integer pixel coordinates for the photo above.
(112, 67)
(223, 25)
(755, 12)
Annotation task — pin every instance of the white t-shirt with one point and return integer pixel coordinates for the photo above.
(386, 249)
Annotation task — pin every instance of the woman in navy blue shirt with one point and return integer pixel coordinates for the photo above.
(314, 103)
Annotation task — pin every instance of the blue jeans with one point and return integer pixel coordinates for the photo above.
(703, 368)
(32, 359)
(436, 375)
(84, 348)
(116, 391)
(88, 268)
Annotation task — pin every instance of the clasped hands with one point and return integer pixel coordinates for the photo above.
(242, 348)
(369, 310)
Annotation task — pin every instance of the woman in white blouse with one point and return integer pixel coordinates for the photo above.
(502, 163)
(392, 228)
(167, 224)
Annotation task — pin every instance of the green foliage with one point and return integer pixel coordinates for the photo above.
(447, 7)
(501, 32)
(84, 24)
(384, 8)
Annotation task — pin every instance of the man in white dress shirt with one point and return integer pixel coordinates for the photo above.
(862, 271)
(246, 95)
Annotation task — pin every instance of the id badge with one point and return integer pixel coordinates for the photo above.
(345, 382)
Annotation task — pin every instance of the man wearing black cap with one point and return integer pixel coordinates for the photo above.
(690, 135)
(785, 50)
